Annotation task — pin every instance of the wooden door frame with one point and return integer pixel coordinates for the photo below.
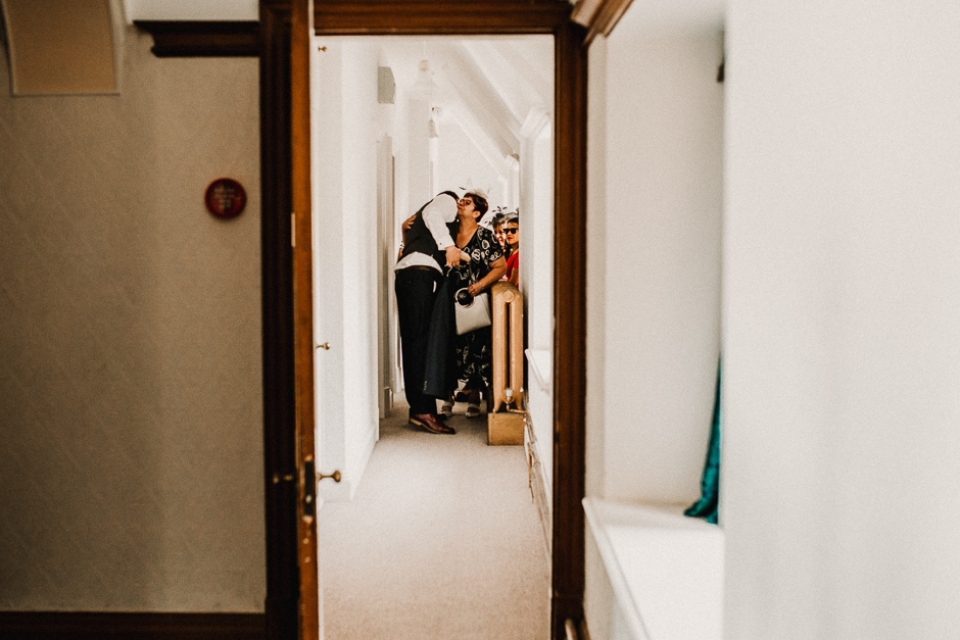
(279, 384)
(438, 17)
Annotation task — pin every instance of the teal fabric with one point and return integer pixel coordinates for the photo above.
(707, 505)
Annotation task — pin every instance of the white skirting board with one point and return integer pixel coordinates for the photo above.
(541, 363)
(539, 490)
(666, 569)
(329, 491)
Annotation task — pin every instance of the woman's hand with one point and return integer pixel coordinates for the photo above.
(497, 268)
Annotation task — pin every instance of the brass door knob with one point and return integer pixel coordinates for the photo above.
(325, 346)
(335, 475)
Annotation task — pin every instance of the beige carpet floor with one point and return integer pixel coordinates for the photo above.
(441, 542)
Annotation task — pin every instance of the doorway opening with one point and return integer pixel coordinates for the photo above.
(396, 120)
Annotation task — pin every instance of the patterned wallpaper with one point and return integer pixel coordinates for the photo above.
(130, 380)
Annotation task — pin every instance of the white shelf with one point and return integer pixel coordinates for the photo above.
(666, 569)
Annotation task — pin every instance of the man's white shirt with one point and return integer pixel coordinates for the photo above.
(438, 213)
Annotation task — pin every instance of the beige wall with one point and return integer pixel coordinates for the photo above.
(130, 383)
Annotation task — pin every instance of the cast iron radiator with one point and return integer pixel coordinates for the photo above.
(507, 347)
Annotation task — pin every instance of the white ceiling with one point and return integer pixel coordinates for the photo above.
(489, 85)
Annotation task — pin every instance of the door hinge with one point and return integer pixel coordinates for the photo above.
(286, 477)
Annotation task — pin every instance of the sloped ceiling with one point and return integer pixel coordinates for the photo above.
(489, 85)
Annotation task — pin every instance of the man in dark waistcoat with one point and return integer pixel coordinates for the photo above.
(428, 248)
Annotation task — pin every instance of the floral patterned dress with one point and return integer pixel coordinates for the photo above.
(473, 350)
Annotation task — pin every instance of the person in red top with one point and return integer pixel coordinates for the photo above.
(511, 229)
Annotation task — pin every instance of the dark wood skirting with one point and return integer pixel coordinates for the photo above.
(49, 625)
(193, 39)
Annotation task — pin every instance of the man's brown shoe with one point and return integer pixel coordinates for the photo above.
(429, 422)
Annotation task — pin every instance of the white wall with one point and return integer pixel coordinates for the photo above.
(461, 164)
(841, 500)
(653, 238)
(658, 281)
(417, 151)
(346, 132)
(596, 401)
(131, 464)
(536, 278)
(360, 123)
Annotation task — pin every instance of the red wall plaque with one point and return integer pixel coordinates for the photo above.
(225, 198)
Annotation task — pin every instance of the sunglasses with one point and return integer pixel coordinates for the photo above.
(511, 230)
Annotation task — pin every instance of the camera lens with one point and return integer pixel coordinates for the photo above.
(464, 298)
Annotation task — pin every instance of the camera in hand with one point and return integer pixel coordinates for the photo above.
(464, 298)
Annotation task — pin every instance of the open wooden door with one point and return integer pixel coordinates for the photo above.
(301, 35)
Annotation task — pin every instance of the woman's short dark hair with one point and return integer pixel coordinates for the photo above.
(479, 202)
(511, 217)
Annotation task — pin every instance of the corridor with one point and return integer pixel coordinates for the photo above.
(441, 541)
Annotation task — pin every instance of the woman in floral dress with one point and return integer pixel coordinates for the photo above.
(487, 265)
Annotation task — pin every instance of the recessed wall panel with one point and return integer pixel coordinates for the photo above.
(60, 46)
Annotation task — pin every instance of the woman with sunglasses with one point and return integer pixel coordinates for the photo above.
(511, 230)
(474, 358)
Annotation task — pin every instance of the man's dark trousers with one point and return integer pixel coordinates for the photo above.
(416, 292)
